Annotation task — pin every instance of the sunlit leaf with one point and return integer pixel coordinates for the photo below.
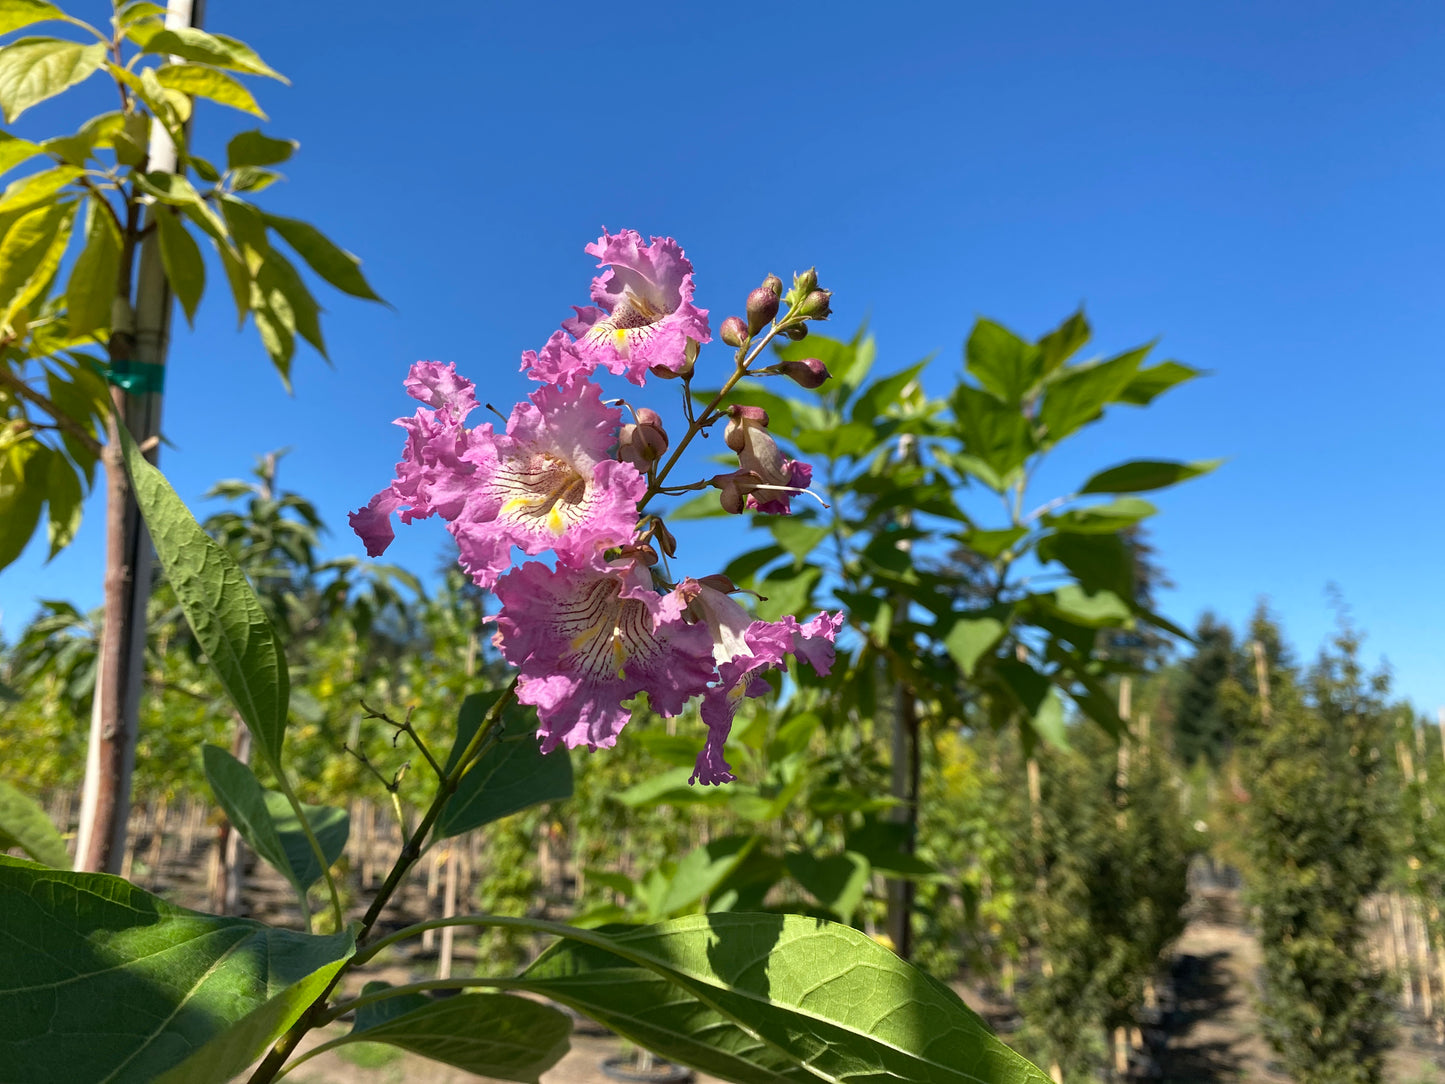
(34, 69)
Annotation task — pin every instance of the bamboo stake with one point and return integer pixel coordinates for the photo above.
(449, 908)
(158, 839)
(1401, 951)
(433, 879)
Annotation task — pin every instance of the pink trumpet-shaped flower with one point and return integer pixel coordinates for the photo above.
(643, 313)
(585, 640)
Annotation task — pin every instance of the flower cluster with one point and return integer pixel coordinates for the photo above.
(602, 623)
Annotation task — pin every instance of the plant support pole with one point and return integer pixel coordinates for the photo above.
(140, 335)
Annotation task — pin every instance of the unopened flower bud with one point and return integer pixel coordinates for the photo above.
(643, 552)
(773, 283)
(662, 372)
(740, 418)
(796, 331)
(664, 538)
(808, 373)
(718, 582)
(643, 443)
(732, 496)
(762, 307)
(805, 282)
(815, 306)
(734, 332)
(648, 416)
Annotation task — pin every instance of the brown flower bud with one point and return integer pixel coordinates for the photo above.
(796, 331)
(731, 496)
(664, 538)
(740, 418)
(815, 306)
(808, 373)
(718, 582)
(734, 332)
(762, 307)
(773, 283)
(662, 372)
(642, 443)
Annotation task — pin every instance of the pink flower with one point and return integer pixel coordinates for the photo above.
(433, 475)
(548, 482)
(744, 650)
(643, 313)
(776, 501)
(585, 640)
(559, 362)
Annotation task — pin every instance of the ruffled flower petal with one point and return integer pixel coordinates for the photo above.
(585, 640)
(643, 313)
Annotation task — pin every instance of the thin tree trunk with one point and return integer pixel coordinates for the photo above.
(140, 334)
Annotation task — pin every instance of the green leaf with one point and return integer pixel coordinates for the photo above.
(991, 543)
(752, 392)
(63, 493)
(671, 788)
(700, 871)
(797, 536)
(185, 270)
(836, 881)
(768, 999)
(24, 824)
(207, 82)
(787, 590)
(24, 469)
(1003, 363)
(36, 189)
(15, 14)
(188, 43)
(1079, 395)
(243, 800)
(512, 775)
(34, 69)
(704, 506)
(92, 285)
(875, 400)
(282, 288)
(335, 265)
(229, 624)
(847, 362)
(1100, 562)
(1042, 709)
(1059, 345)
(14, 150)
(886, 847)
(1107, 518)
(970, 639)
(30, 254)
(497, 1036)
(1145, 474)
(1097, 609)
(252, 148)
(999, 434)
(329, 824)
(103, 981)
(1148, 384)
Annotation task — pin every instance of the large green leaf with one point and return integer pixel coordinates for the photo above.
(1100, 562)
(252, 148)
(16, 14)
(492, 1035)
(14, 150)
(1102, 518)
(511, 775)
(65, 498)
(1059, 345)
(1078, 395)
(1003, 363)
(188, 43)
(36, 189)
(30, 254)
(762, 999)
(34, 69)
(105, 982)
(1098, 609)
(24, 824)
(1145, 474)
(970, 638)
(837, 881)
(699, 872)
(330, 824)
(332, 263)
(992, 430)
(1152, 382)
(24, 470)
(91, 287)
(222, 610)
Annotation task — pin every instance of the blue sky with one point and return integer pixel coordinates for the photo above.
(1258, 185)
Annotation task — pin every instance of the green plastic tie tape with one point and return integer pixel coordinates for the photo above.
(136, 377)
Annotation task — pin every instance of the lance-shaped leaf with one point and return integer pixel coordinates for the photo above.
(332, 263)
(222, 610)
(1003, 363)
(181, 256)
(492, 1035)
(1152, 382)
(1102, 518)
(105, 982)
(65, 498)
(91, 287)
(36, 189)
(1145, 474)
(14, 150)
(30, 254)
(24, 471)
(267, 822)
(189, 43)
(34, 69)
(763, 999)
(1077, 396)
(252, 148)
(24, 824)
(511, 775)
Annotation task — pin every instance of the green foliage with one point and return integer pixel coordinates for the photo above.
(24, 824)
(1319, 805)
(224, 988)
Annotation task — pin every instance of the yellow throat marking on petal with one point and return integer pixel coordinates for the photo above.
(567, 488)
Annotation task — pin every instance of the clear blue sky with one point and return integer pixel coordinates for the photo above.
(1258, 184)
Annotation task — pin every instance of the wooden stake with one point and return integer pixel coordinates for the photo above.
(453, 859)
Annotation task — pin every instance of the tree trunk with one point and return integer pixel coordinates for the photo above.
(138, 335)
